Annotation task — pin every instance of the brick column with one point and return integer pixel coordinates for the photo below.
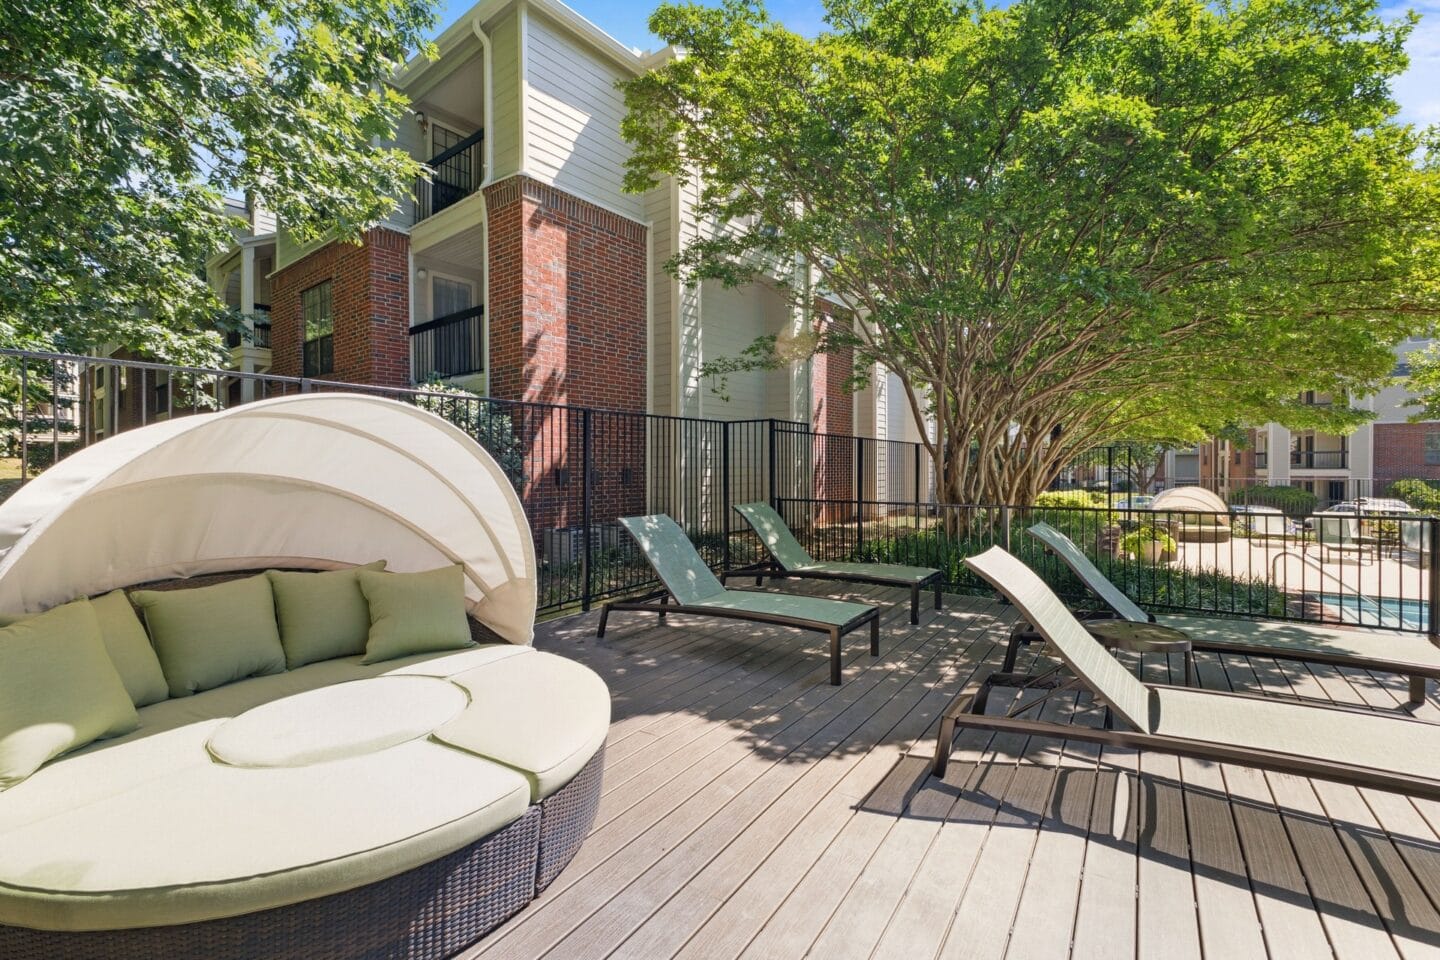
(567, 317)
(833, 413)
(370, 291)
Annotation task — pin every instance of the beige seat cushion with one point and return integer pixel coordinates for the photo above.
(184, 840)
(541, 714)
(342, 720)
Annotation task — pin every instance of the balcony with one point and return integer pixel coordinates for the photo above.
(261, 322)
(1262, 460)
(448, 346)
(1320, 459)
(455, 173)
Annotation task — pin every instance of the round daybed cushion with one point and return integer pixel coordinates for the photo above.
(548, 738)
(331, 723)
(202, 839)
(152, 830)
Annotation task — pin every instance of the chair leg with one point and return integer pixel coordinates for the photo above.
(939, 601)
(834, 656)
(664, 601)
(604, 618)
(1417, 689)
(1012, 650)
(915, 604)
(875, 635)
(1189, 668)
(944, 743)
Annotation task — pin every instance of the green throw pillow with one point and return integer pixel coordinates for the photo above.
(210, 636)
(58, 690)
(130, 649)
(127, 644)
(321, 615)
(415, 612)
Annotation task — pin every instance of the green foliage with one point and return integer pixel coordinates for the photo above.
(1065, 222)
(1420, 494)
(1135, 543)
(488, 422)
(1072, 498)
(126, 124)
(1294, 501)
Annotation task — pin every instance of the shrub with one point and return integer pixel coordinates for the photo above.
(1134, 543)
(1292, 500)
(1418, 493)
(483, 419)
(1072, 498)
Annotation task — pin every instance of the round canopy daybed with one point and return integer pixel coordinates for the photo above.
(340, 808)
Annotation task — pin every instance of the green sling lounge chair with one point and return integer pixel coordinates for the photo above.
(1348, 745)
(1384, 651)
(689, 582)
(789, 559)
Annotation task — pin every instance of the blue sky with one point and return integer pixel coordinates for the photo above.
(1418, 91)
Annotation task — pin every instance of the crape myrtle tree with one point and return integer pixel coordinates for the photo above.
(1061, 223)
(123, 125)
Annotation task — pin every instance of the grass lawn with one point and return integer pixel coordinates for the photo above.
(9, 468)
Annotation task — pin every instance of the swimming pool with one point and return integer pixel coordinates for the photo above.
(1392, 612)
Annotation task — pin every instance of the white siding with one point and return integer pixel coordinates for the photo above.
(504, 133)
(573, 118)
(732, 319)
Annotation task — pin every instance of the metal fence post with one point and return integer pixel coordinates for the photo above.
(774, 494)
(725, 504)
(859, 490)
(917, 479)
(24, 420)
(1433, 604)
(585, 557)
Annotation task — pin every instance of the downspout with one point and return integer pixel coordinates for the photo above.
(484, 39)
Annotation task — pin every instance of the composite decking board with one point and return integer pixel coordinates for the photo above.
(1289, 918)
(1168, 925)
(1044, 923)
(782, 733)
(1107, 908)
(774, 848)
(790, 787)
(985, 914)
(734, 869)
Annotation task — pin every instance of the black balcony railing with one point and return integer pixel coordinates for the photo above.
(448, 346)
(1320, 459)
(261, 323)
(455, 173)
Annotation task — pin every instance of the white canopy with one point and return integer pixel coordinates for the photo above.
(1196, 499)
(317, 481)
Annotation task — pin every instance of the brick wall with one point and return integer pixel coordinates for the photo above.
(1400, 452)
(370, 293)
(567, 316)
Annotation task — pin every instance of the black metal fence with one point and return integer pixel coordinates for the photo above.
(847, 498)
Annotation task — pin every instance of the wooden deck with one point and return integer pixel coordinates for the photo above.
(752, 810)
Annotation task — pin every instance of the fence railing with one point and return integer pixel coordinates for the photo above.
(448, 346)
(455, 173)
(577, 470)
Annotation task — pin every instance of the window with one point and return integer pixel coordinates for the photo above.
(316, 310)
(1432, 448)
(451, 296)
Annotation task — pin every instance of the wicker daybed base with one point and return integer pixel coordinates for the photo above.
(429, 913)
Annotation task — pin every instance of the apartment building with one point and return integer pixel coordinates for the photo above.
(1334, 467)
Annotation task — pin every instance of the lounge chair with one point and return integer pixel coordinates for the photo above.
(1348, 745)
(1384, 651)
(1342, 535)
(689, 582)
(789, 559)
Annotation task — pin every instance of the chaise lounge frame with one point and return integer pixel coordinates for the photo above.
(776, 568)
(1122, 607)
(660, 602)
(968, 710)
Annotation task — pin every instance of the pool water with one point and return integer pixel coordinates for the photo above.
(1392, 612)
